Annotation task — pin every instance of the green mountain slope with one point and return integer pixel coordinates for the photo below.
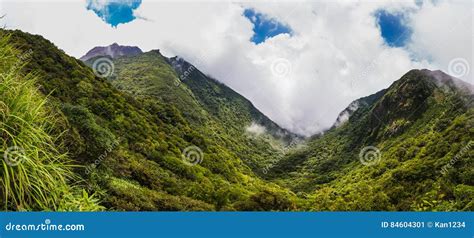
(136, 146)
(212, 109)
(157, 134)
(412, 132)
(36, 173)
(223, 102)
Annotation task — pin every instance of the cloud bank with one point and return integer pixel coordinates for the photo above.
(303, 80)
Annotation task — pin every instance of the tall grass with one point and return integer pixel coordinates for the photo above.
(39, 181)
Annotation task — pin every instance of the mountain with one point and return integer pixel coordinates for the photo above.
(356, 105)
(139, 142)
(212, 94)
(115, 50)
(408, 147)
(203, 101)
(158, 134)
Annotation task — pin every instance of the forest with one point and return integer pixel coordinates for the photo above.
(159, 135)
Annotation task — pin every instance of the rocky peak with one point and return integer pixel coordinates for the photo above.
(114, 50)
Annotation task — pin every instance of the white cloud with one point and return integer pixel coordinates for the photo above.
(336, 53)
(256, 129)
(443, 32)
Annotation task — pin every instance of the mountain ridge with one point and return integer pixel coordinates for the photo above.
(139, 150)
(114, 50)
(133, 132)
(440, 78)
(189, 74)
(186, 69)
(391, 152)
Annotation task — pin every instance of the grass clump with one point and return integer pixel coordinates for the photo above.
(34, 173)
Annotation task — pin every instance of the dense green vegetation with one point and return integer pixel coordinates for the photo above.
(153, 78)
(132, 143)
(126, 140)
(420, 124)
(36, 173)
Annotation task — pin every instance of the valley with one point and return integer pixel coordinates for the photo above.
(137, 131)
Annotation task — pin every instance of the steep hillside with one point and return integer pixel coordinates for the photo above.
(142, 152)
(141, 131)
(212, 109)
(410, 148)
(35, 171)
(223, 102)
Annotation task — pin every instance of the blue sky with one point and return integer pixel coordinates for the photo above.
(114, 12)
(265, 27)
(335, 53)
(392, 25)
(393, 28)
